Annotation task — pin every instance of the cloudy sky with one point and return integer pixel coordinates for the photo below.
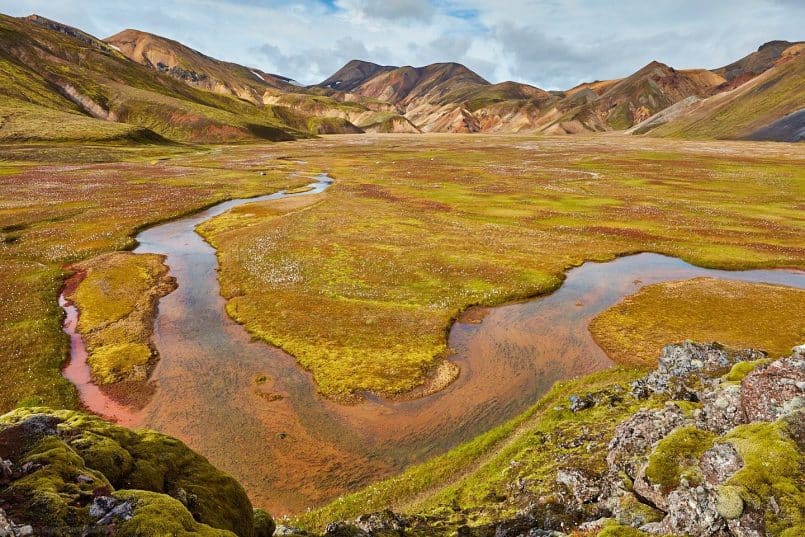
(553, 44)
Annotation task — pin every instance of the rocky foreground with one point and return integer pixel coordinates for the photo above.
(716, 450)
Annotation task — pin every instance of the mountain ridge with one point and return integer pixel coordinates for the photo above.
(182, 94)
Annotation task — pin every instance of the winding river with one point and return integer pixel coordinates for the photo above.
(293, 449)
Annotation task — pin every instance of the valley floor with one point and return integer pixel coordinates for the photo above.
(361, 284)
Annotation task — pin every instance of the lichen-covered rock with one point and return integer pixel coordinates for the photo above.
(9, 529)
(6, 526)
(6, 471)
(634, 437)
(583, 487)
(108, 509)
(735, 469)
(692, 511)
(721, 409)
(283, 530)
(720, 462)
(520, 526)
(580, 402)
(680, 365)
(69, 467)
(380, 524)
(775, 390)
(340, 529)
(630, 511)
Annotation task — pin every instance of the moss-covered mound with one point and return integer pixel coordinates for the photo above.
(65, 470)
(117, 296)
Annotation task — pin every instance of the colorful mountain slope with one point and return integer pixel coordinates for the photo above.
(195, 68)
(49, 65)
(635, 98)
(767, 107)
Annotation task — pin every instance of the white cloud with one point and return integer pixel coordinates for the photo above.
(551, 43)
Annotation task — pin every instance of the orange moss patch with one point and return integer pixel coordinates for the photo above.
(734, 313)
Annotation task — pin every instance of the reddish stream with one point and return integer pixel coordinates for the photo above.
(301, 450)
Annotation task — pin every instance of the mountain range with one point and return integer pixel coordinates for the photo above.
(60, 83)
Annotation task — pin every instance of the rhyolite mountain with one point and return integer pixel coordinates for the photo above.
(195, 68)
(769, 105)
(137, 86)
(634, 98)
(59, 83)
(448, 97)
(441, 97)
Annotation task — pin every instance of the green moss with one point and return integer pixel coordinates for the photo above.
(264, 525)
(677, 456)
(119, 458)
(158, 515)
(111, 290)
(113, 363)
(772, 468)
(730, 504)
(613, 528)
(741, 369)
(51, 496)
(634, 513)
(737, 314)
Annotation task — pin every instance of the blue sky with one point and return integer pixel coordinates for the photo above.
(554, 44)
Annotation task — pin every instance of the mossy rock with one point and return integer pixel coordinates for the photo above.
(772, 469)
(635, 513)
(730, 504)
(47, 496)
(741, 369)
(613, 528)
(82, 456)
(157, 515)
(264, 525)
(677, 456)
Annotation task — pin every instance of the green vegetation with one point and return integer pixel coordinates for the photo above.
(702, 309)
(416, 229)
(157, 515)
(772, 468)
(25, 122)
(770, 97)
(330, 125)
(78, 91)
(676, 455)
(32, 345)
(117, 300)
(741, 369)
(614, 529)
(530, 447)
(143, 466)
(58, 214)
(264, 525)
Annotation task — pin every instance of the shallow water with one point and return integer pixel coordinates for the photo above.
(301, 449)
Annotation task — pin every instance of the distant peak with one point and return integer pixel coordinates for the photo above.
(774, 44)
(356, 62)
